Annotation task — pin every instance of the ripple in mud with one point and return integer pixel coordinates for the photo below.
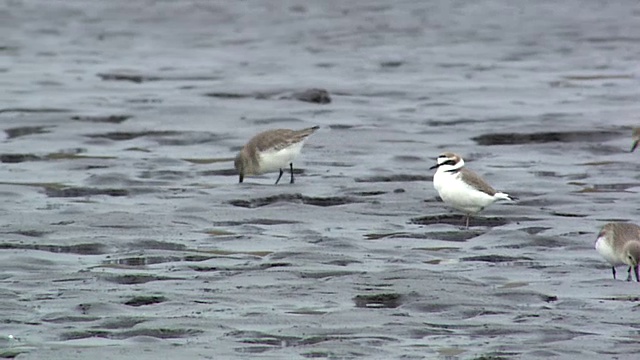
(26, 130)
(495, 258)
(391, 64)
(128, 77)
(308, 200)
(444, 235)
(203, 161)
(30, 233)
(140, 78)
(316, 96)
(319, 354)
(604, 188)
(232, 172)
(174, 138)
(133, 279)
(394, 178)
(66, 155)
(139, 261)
(535, 229)
(241, 268)
(110, 119)
(368, 193)
(255, 222)
(630, 298)
(459, 220)
(121, 335)
(341, 126)
(145, 300)
(82, 249)
(569, 215)
(522, 297)
(408, 158)
(156, 245)
(228, 95)
(121, 136)
(34, 110)
(430, 307)
(544, 137)
(279, 341)
(56, 191)
(121, 323)
(457, 236)
(17, 158)
(390, 300)
(326, 274)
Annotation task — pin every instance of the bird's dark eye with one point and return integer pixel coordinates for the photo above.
(449, 162)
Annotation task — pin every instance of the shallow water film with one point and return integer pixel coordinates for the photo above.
(125, 233)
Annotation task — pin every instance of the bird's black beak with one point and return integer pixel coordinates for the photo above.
(434, 166)
(635, 145)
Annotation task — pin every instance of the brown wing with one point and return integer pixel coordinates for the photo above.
(625, 231)
(476, 181)
(279, 138)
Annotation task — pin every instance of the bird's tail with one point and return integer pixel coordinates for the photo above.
(504, 196)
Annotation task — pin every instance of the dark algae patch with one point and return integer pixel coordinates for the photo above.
(543, 137)
(387, 300)
(459, 220)
(81, 249)
(296, 198)
(109, 119)
(134, 279)
(25, 130)
(66, 192)
(145, 300)
(123, 136)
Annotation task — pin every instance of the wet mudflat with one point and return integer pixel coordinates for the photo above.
(126, 236)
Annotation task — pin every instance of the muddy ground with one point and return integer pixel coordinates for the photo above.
(125, 234)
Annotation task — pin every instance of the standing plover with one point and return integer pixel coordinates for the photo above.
(636, 138)
(462, 188)
(270, 151)
(619, 244)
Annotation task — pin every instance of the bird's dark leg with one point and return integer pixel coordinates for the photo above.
(613, 270)
(241, 178)
(635, 270)
(279, 176)
(467, 225)
(629, 274)
(291, 169)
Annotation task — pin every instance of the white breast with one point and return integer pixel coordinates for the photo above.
(459, 194)
(271, 161)
(606, 250)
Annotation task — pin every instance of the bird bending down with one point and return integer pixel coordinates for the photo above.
(636, 138)
(461, 188)
(619, 244)
(271, 151)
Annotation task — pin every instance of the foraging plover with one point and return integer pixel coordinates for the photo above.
(270, 151)
(636, 138)
(619, 244)
(462, 188)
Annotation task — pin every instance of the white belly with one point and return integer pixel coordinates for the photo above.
(271, 161)
(607, 252)
(459, 195)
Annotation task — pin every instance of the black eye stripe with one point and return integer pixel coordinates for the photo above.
(449, 162)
